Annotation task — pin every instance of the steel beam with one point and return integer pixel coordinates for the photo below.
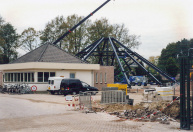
(123, 71)
(83, 20)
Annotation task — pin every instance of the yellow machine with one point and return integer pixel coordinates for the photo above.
(119, 86)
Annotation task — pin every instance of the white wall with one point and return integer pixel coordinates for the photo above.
(84, 75)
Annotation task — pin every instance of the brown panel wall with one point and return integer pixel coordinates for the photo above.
(109, 71)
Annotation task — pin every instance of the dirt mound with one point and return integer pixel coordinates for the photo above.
(172, 110)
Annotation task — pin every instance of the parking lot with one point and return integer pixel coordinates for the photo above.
(44, 112)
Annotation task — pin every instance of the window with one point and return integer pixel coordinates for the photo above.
(101, 78)
(105, 77)
(72, 75)
(15, 77)
(40, 76)
(19, 77)
(32, 74)
(96, 77)
(11, 77)
(51, 82)
(25, 76)
(29, 77)
(84, 84)
(43, 76)
(6, 77)
(46, 76)
(52, 74)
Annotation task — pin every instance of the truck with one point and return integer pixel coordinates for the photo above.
(54, 84)
(138, 80)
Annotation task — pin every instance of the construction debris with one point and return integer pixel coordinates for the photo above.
(144, 111)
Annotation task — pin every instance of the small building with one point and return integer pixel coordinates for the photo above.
(48, 60)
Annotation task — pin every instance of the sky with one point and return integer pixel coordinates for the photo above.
(157, 22)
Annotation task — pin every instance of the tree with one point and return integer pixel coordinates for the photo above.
(153, 60)
(171, 67)
(1, 40)
(102, 28)
(171, 50)
(171, 53)
(29, 39)
(74, 41)
(8, 42)
(86, 33)
(53, 30)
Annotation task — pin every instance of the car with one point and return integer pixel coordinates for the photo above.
(75, 86)
(93, 90)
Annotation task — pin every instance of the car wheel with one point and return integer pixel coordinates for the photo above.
(93, 93)
(59, 92)
(52, 92)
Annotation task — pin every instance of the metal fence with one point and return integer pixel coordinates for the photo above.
(186, 92)
(85, 102)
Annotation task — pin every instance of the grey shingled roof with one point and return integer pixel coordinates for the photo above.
(48, 53)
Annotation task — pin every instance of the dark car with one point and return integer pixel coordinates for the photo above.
(74, 86)
(89, 88)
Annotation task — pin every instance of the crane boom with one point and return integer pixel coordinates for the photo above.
(69, 31)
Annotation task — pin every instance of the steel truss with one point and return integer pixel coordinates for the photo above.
(109, 50)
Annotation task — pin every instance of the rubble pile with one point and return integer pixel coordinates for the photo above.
(156, 111)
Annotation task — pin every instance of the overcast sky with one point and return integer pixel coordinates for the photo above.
(158, 22)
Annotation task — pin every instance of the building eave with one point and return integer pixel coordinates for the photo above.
(49, 65)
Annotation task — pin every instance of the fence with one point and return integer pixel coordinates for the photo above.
(113, 96)
(186, 92)
(85, 101)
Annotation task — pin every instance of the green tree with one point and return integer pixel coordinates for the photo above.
(153, 60)
(53, 30)
(102, 28)
(74, 41)
(86, 33)
(1, 40)
(8, 42)
(29, 39)
(171, 50)
(170, 54)
(171, 67)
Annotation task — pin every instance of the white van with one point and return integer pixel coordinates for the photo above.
(54, 84)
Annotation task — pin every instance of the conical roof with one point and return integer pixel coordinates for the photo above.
(48, 53)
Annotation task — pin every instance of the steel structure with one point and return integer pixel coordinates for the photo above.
(109, 50)
(83, 20)
(186, 91)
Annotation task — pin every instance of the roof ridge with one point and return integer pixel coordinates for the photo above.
(70, 54)
(28, 53)
(43, 51)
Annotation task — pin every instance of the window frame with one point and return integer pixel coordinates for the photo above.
(50, 74)
(18, 77)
